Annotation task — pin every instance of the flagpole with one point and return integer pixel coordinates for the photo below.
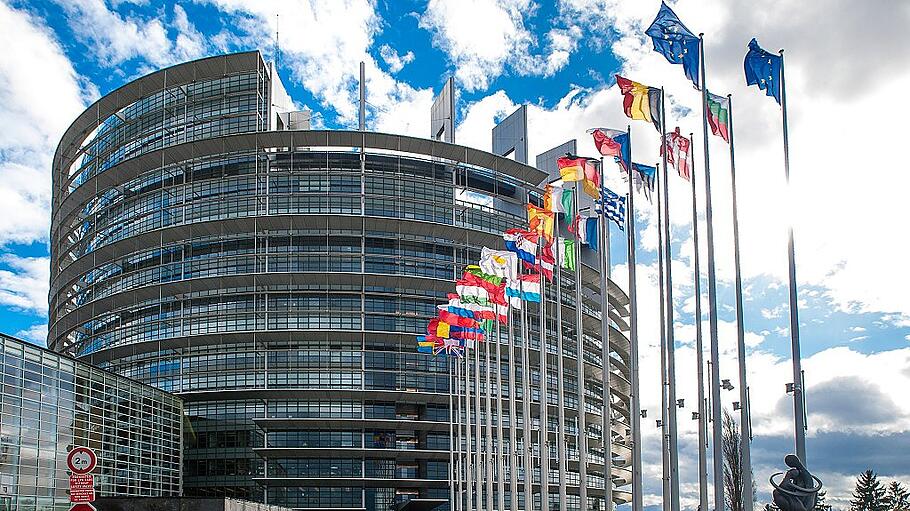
(527, 452)
(469, 455)
(712, 298)
(579, 328)
(745, 423)
(699, 352)
(671, 342)
(799, 398)
(637, 493)
(513, 419)
(500, 482)
(478, 432)
(450, 369)
(560, 374)
(607, 413)
(488, 448)
(664, 404)
(459, 504)
(543, 432)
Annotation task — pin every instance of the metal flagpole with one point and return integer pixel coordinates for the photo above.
(513, 421)
(637, 504)
(543, 432)
(664, 405)
(527, 452)
(579, 328)
(671, 342)
(560, 375)
(500, 488)
(699, 352)
(469, 475)
(459, 503)
(478, 433)
(745, 447)
(488, 448)
(450, 366)
(799, 397)
(712, 298)
(607, 413)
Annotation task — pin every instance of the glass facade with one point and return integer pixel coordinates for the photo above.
(51, 403)
(275, 281)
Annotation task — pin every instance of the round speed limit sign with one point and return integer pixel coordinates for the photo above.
(81, 460)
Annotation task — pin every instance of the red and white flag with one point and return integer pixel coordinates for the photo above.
(679, 153)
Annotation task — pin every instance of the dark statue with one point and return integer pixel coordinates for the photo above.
(798, 489)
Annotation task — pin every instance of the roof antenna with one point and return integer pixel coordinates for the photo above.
(277, 46)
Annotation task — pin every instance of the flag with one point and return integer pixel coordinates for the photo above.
(589, 233)
(548, 199)
(454, 307)
(585, 230)
(571, 168)
(613, 143)
(493, 285)
(439, 328)
(477, 271)
(471, 291)
(513, 292)
(545, 262)
(483, 309)
(640, 102)
(763, 69)
(458, 320)
(566, 249)
(522, 243)
(500, 263)
(675, 42)
(678, 153)
(530, 287)
(718, 111)
(474, 334)
(614, 207)
(591, 184)
(558, 198)
(541, 221)
(644, 178)
(438, 346)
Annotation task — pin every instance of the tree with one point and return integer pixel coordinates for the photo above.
(733, 466)
(869, 494)
(898, 497)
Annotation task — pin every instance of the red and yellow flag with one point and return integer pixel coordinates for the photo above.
(571, 168)
(541, 221)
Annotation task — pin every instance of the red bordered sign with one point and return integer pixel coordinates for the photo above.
(81, 460)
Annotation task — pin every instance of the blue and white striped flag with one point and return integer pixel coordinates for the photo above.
(612, 206)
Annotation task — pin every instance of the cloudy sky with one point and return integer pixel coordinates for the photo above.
(847, 67)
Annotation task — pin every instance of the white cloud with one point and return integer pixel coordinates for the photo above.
(36, 333)
(323, 51)
(116, 38)
(40, 94)
(23, 284)
(395, 61)
(482, 38)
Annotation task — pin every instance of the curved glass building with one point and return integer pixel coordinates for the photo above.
(275, 278)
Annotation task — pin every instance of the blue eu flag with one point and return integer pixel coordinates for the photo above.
(763, 69)
(675, 42)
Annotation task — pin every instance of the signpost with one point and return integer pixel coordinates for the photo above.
(81, 461)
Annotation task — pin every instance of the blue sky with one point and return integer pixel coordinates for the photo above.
(559, 58)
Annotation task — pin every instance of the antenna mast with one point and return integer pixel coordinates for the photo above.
(277, 46)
